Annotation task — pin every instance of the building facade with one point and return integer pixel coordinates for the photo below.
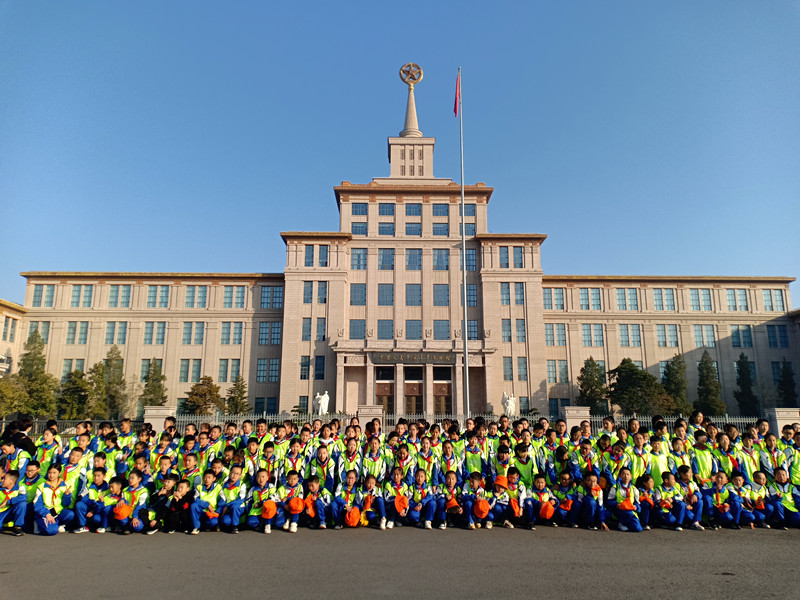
(372, 312)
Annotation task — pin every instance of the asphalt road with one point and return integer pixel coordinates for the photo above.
(404, 562)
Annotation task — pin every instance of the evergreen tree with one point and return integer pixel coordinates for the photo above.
(676, 385)
(236, 401)
(39, 385)
(155, 392)
(745, 396)
(13, 396)
(117, 397)
(635, 390)
(708, 388)
(74, 396)
(592, 390)
(787, 394)
(204, 398)
(96, 404)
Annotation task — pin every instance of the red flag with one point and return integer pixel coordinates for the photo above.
(458, 94)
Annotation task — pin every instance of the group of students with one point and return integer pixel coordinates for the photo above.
(318, 475)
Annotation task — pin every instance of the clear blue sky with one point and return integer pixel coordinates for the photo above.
(642, 137)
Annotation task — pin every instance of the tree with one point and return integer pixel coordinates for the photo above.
(675, 384)
(745, 396)
(39, 385)
(13, 396)
(204, 398)
(237, 397)
(154, 392)
(117, 397)
(708, 388)
(787, 394)
(74, 396)
(592, 389)
(96, 403)
(637, 391)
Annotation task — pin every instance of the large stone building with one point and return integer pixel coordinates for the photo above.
(372, 312)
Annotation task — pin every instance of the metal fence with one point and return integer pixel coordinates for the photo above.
(646, 421)
(220, 419)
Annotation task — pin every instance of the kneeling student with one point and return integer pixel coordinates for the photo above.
(623, 501)
(317, 501)
(671, 508)
(370, 501)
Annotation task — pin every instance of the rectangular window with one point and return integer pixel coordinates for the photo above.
(661, 335)
(563, 372)
(225, 333)
(360, 209)
(87, 295)
(413, 329)
(561, 334)
(469, 229)
(639, 364)
(83, 332)
(240, 295)
(737, 300)
(223, 371)
(741, 336)
(584, 298)
(385, 329)
(148, 332)
(305, 366)
(386, 229)
(187, 332)
(321, 329)
(506, 330)
(596, 299)
(552, 375)
(197, 368)
(358, 294)
(319, 367)
(309, 256)
(441, 329)
(111, 328)
(386, 259)
(201, 296)
(235, 367)
(710, 336)
(694, 299)
(519, 294)
(547, 298)
(38, 291)
(266, 297)
(636, 336)
(587, 334)
(441, 229)
(598, 334)
(263, 333)
(43, 327)
(777, 371)
(773, 300)
(778, 336)
(358, 228)
(152, 296)
(386, 210)
(472, 329)
(624, 336)
(303, 404)
(508, 368)
(322, 292)
(472, 260)
(358, 259)
(505, 293)
(163, 296)
(199, 332)
(72, 327)
(358, 329)
(627, 299)
(519, 261)
(305, 335)
(441, 210)
(662, 369)
(472, 294)
(441, 259)
(558, 298)
(323, 256)
(414, 210)
(549, 335)
(413, 259)
(705, 296)
(752, 369)
(114, 296)
(414, 229)
(75, 300)
(469, 210)
(275, 334)
(161, 332)
(522, 368)
(503, 257)
(274, 370)
(441, 294)
(66, 369)
(261, 370)
(385, 294)
(308, 292)
(521, 337)
(672, 336)
(413, 294)
(227, 299)
(183, 374)
(190, 296)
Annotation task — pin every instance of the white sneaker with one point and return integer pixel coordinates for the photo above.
(81, 530)
(61, 529)
(337, 527)
(383, 524)
(443, 525)
(151, 532)
(508, 524)
(428, 525)
(194, 532)
(100, 530)
(323, 525)
(293, 528)
(679, 529)
(398, 523)
(622, 527)
(489, 525)
(390, 525)
(286, 526)
(267, 528)
(697, 527)
(471, 526)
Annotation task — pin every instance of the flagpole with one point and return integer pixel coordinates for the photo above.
(464, 329)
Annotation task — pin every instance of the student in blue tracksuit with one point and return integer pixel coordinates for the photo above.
(13, 502)
(231, 500)
(623, 502)
(722, 503)
(90, 504)
(422, 503)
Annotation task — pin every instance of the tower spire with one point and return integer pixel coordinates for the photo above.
(411, 74)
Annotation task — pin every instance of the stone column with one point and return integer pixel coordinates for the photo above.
(573, 415)
(427, 400)
(778, 417)
(399, 389)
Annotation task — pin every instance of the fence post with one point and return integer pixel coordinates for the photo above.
(573, 415)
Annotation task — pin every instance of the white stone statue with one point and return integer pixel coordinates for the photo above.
(324, 400)
(509, 405)
(504, 402)
(315, 403)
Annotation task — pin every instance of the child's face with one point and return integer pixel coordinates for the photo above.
(669, 481)
(32, 471)
(760, 478)
(8, 481)
(351, 446)
(217, 468)
(115, 488)
(721, 479)
(292, 480)
(208, 479)
(313, 486)
(625, 477)
(322, 454)
(493, 429)
(98, 478)
(656, 446)
(539, 483)
(686, 477)
(48, 437)
(134, 480)
(397, 476)
(350, 479)
(475, 483)
(499, 489)
(781, 477)
(203, 439)
(74, 457)
(565, 480)
(236, 474)
(512, 479)
(252, 447)
(261, 479)
(369, 484)
(165, 464)
(426, 445)
(591, 481)
(522, 454)
(52, 474)
(738, 481)
(191, 462)
(374, 445)
(141, 464)
(169, 484)
(402, 453)
(503, 456)
(419, 477)
(648, 485)
(305, 436)
(227, 455)
(450, 480)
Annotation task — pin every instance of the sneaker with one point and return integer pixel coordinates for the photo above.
(420, 525)
(736, 526)
(697, 527)
(383, 524)
(61, 529)
(150, 531)
(81, 530)
(286, 526)
(398, 523)
(428, 525)
(532, 527)
(337, 527)
(575, 526)
(508, 524)
(129, 532)
(555, 525)
(471, 526)
(622, 527)
(267, 528)
(103, 530)
(197, 531)
(679, 528)
(390, 525)
(592, 528)
(766, 526)
(17, 531)
(35, 528)
(170, 532)
(489, 524)
(443, 526)
(293, 528)
(646, 528)
(323, 525)
(235, 530)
